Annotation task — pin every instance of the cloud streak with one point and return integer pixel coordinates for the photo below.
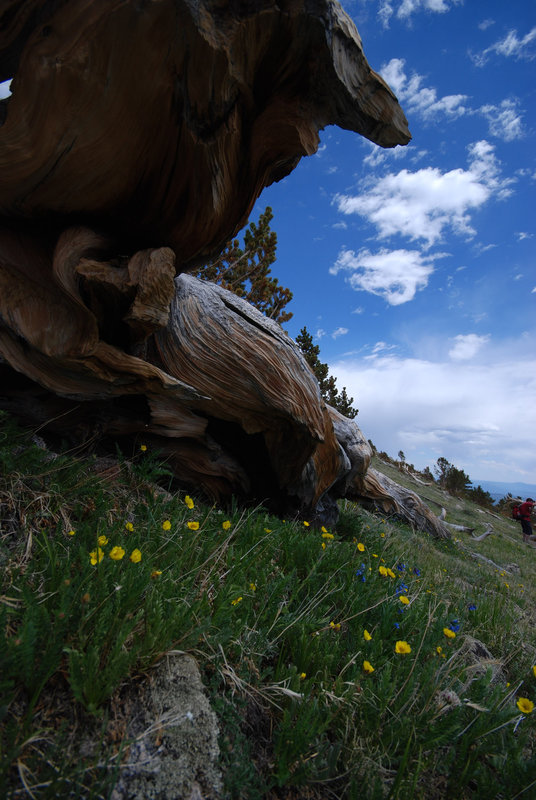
(512, 46)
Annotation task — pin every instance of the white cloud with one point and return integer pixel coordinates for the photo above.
(406, 8)
(524, 235)
(478, 416)
(504, 120)
(422, 204)
(358, 310)
(339, 332)
(418, 99)
(467, 346)
(510, 47)
(320, 333)
(395, 275)
(485, 24)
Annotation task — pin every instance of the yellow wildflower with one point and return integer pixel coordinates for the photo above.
(189, 502)
(390, 572)
(366, 635)
(236, 601)
(327, 536)
(335, 626)
(129, 526)
(382, 570)
(439, 649)
(402, 647)
(375, 555)
(143, 448)
(306, 524)
(448, 633)
(71, 533)
(323, 529)
(226, 525)
(155, 573)
(267, 530)
(102, 540)
(96, 556)
(525, 705)
(253, 587)
(323, 545)
(361, 547)
(135, 556)
(166, 525)
(403, 599)
(367, 666)
(117, 553)
(303, 675)
(534, 670)
(194, 526)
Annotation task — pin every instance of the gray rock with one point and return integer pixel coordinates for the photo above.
(174, 751)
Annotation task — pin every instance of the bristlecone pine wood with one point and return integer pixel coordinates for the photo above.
(134, 145)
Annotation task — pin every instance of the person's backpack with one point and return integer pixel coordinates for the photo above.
(516, 513)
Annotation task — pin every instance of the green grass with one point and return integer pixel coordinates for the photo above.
(275, 613)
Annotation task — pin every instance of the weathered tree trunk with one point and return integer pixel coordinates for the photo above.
(134, 145)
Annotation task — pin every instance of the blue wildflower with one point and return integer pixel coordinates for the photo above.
(401, 567)
(471, 607)
(396, 624)
(360, 573)
(416, 571)
(401, 588)
(454, 625)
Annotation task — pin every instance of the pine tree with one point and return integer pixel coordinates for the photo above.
(246, 270)
(327, 382)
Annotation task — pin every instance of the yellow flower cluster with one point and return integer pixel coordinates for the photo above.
(386, 571)
(116, 553)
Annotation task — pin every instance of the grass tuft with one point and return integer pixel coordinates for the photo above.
(367, 661)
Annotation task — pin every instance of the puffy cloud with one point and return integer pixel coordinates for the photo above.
(422, 204)
(395, 275)
(504, 120)
(467, 346)
(419, 99)
(480, 416)
(510, 47)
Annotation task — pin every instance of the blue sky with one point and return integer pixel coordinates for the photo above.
(415, 268)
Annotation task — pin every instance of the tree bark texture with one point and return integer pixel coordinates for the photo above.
(136, 140)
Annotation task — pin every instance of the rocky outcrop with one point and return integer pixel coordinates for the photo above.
(136, 140)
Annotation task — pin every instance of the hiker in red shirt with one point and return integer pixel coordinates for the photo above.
(525, 510)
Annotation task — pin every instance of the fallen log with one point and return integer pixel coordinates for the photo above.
(109, 196)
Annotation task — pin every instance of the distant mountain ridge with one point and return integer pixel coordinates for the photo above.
(497, 489)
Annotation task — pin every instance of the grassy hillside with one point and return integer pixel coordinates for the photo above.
(366, 661)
